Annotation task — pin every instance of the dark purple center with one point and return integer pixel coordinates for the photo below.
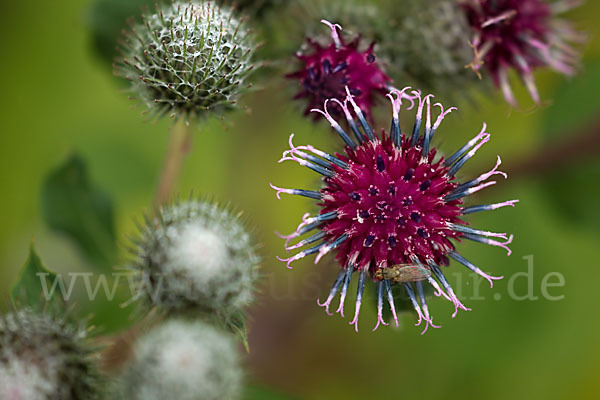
(391, 204)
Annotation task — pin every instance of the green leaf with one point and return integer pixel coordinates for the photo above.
(34, 279)
(260, 393)
(236, 323)
(71, 205)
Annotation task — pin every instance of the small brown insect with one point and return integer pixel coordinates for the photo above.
(403, 273)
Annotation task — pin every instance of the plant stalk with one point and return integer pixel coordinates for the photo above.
(180, 144)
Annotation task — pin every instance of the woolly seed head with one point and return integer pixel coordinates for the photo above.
(42, 357)
(196, 255)
(188, 58)
(184, 360)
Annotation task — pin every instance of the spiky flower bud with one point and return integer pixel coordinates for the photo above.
(391, 206)
(188, 58)
(197, 256)
(521, 35)
(428, 43)
(327, 70)
(42, 357)
(183, 360)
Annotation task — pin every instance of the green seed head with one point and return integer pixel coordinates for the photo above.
(188, 58)
(429, 44)
(42, 357)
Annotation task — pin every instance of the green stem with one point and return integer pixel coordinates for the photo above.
(179, 146)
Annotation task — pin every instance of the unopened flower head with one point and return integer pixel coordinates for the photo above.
(188, 58)
(327, 70)
(42, 357)
(522, 35)
(428, 45)
(391, 206)
(196, 255)
(184, 360)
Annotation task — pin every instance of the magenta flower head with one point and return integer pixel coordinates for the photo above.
(327, 72)
(521, 35)
(392, 207)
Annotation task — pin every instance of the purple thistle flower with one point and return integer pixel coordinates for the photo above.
(329, 70)
(524, 35)
(391, 207)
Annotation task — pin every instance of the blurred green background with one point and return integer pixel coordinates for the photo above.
(59, 98)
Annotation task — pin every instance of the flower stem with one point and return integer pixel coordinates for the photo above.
(117, 349)
(180, 144)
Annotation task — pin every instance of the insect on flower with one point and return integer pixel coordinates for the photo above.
(402, 273)
(521, 35)
(391, 200)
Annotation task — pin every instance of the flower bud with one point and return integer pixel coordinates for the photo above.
(188, 58)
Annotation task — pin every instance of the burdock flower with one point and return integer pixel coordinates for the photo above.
(327, 71)
(391, 207)
(521, 35)
(187, 58)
